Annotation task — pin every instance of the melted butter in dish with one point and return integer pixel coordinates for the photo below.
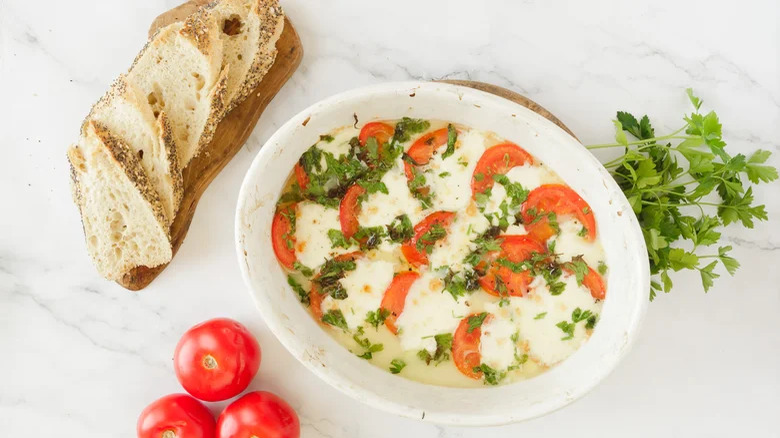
(440, 253)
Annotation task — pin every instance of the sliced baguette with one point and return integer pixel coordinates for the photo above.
(249, 30)
(123, 219)
(179, 71)
(123, 110)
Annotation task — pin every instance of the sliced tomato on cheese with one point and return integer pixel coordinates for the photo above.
(349, 209)
(593, 281)
(465, 347)
(494, 161)
(282, 236)
(315, 295)
(381, 131)
(516, 249)
(300, 176)
(409, 249)
(423, 148)
(558, 199)
(395, 297)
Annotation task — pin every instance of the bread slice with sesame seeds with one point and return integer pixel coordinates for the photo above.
(123, 110)
(249, 30)
(122, 215)
(179, 71)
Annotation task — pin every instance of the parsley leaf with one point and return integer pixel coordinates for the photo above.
(335, 318)
(452, 137)
(442, 353)
(337, 239)
(396, 365)
(369, 347)
(302, 294)
(377, 317)
(400, 229)
(428, 239)
(475, 321)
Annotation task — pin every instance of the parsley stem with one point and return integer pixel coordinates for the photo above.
(673, 135)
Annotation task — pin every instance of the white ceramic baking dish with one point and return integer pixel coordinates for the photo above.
(628, 284)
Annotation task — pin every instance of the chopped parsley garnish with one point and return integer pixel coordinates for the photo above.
(302, 294)
(408, 126)
(461, 283)
(444, 174)
(396, 365)
(579, 267)
(369, 348)
(331, 272)
(442, 353)
(540, 315)
(452, 137)
(335, 318)
(514, 191)
(475, 321)
(582, 232)
(418, 188)
(602, 267)
(337, 239)
(491, 376)
(303, 269)
(577, 315)
(370, 237)
(483, 197)
(377, 317)
(428, 239)
(567, 328)
(400, 229)
(479, 177)
(373, 186)
(326, 138)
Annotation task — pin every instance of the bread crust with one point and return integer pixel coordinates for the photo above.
(128, 161)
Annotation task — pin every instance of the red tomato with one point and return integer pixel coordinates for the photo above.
(395, 297)
(409, 249)
(382, 132)
(282, 238)
(349, 208)
(300, 176)
(177, 416)
(465, 347)
(258, 414)
(516, 249)
(497, 160)
(216, 359)
(315, 297)
(593, 282)
(422, 149)
(561, 200)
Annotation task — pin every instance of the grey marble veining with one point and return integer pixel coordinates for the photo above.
(83, 356)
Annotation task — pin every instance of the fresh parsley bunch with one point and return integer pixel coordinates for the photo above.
(685, 188)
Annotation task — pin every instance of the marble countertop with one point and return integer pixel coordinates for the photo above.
(83, 356)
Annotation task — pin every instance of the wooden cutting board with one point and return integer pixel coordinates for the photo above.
(230, 136)
(234, 130)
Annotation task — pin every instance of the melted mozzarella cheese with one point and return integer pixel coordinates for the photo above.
(380, 209)
(312, 245)
(453, 191)
(340, 143)
(516, 230)
(570, 244)
(496, 346)
(428, 311)
(451, 250)
(365, 287)
(530, 176)
(543, 337)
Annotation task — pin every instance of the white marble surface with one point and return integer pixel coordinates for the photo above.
(82, 357)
